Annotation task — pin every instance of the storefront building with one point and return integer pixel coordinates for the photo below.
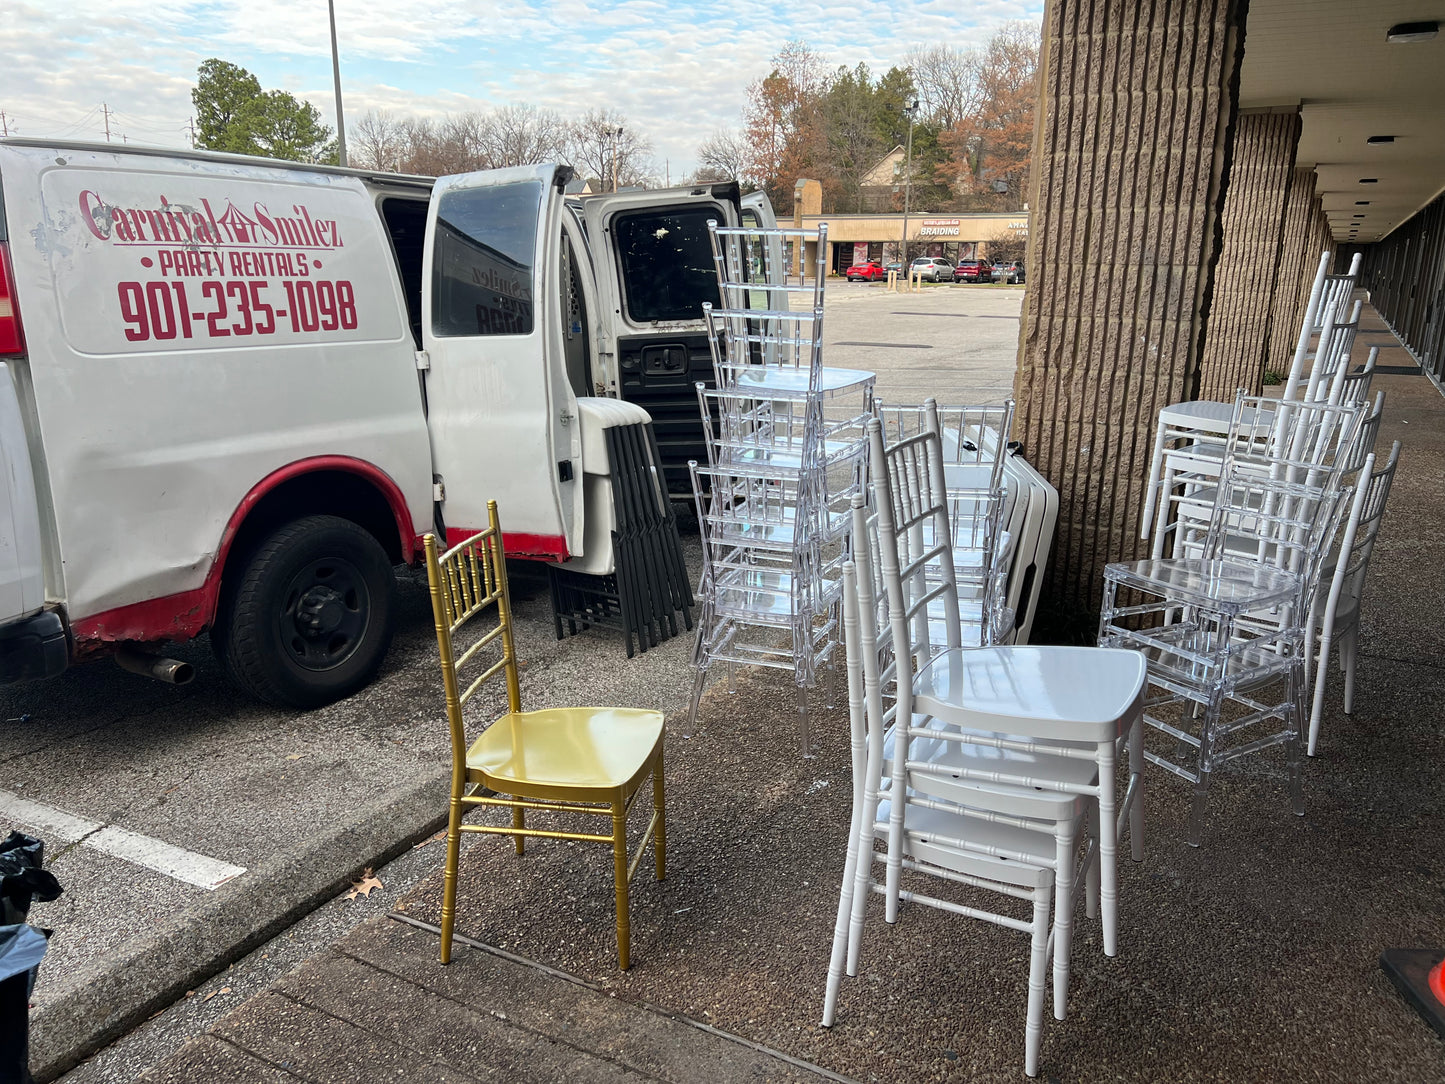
(855, 239)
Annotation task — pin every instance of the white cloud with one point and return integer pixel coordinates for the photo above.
(676, 70)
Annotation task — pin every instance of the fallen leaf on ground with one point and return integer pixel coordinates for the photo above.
(213, 993)
(295, 756)
(364, 885)
(430, 839)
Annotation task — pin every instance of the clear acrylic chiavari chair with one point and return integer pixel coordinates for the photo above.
(1223, 631)
(784, 455)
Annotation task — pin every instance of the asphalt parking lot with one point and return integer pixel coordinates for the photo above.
(190, 825)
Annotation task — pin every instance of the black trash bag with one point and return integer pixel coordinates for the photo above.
(23, 877)
(21, 948)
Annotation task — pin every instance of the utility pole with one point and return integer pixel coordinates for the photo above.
(191, 127)
(4, 123)
(106, 111)
(336, 78)
(910, 110)
(616, 134)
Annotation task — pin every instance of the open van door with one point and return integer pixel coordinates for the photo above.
(758, 211)
(654, 270)
(501, 410)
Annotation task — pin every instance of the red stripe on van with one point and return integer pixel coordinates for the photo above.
(532, 547)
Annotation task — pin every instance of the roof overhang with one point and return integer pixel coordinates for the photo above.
(1331, 60)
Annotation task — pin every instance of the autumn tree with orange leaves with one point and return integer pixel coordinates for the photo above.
(972, 138)
(989, 146)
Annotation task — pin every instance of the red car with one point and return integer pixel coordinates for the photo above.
(973, 271)
(866, 272)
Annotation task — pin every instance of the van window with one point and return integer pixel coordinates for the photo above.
(667, 266)
(406, 224)
(482, 274)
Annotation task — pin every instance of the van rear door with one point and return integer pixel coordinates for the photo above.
(502, 414)
(654, 270)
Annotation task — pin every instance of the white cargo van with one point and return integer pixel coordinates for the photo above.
(235, 392)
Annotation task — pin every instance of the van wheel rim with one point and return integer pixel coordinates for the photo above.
(324, 614)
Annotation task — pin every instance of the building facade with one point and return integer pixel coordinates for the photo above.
(854, 239)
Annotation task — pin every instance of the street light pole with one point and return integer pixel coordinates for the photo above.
(336, 78)
(616, 145)
(910, 110)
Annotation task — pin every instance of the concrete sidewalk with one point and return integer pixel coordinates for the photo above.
(378, 1006)
(1253, 957)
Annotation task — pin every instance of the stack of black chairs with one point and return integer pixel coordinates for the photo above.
(648, 586)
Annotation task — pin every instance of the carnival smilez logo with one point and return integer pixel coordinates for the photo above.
(183, 224)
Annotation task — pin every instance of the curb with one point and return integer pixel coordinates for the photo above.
(155, 969)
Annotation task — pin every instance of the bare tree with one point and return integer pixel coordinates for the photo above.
(949, 81)
(723, 157)
(521, 135)
(604, 144)
(378, 141)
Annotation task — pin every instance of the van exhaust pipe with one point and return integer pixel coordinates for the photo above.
(171, 671)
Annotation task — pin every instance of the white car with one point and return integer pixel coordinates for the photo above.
(933, 268)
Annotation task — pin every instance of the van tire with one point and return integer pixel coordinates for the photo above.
(309, 617)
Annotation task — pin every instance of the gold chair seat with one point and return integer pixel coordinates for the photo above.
(584, 752)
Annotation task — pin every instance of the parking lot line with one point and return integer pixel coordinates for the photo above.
(62, 827)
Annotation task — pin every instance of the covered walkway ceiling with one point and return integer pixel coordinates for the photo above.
(1331, 59)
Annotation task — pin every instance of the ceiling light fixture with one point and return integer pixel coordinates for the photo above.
(1380, 139)
(1362, 203)
(1369, 180)
(1401, 33)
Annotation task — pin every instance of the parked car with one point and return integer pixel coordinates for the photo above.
(973, 271)
(1010, 273)
(871, 271)
(932, 268)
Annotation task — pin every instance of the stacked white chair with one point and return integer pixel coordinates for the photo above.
(975, 447)
(987, 762)
(1336, 616)
(785, 453)
(1188, 440)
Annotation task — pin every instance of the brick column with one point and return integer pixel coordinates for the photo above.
(1298, 260)
(1241, 317)
(1136, 103)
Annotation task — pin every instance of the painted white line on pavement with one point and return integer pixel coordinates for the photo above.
(175, 862)
(63, 827)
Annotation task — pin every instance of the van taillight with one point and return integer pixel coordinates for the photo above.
(12, 341)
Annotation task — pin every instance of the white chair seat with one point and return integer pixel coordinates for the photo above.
(934, 835)
(953, 768)
(1068, 693)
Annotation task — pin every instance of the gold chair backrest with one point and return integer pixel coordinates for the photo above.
(465, 581)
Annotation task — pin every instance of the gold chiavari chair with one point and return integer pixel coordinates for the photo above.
(590, 762)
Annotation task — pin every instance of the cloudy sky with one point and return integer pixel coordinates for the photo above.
(678, 69)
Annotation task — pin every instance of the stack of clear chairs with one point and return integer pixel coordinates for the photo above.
(1223, 625)
(1189, 437)
(785, 453)
(991, 765)
(975, 444)
(1291, 440)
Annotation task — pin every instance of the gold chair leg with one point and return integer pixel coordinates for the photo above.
(659, 807)
(449, 876)
(619, 861)
(519, 822)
